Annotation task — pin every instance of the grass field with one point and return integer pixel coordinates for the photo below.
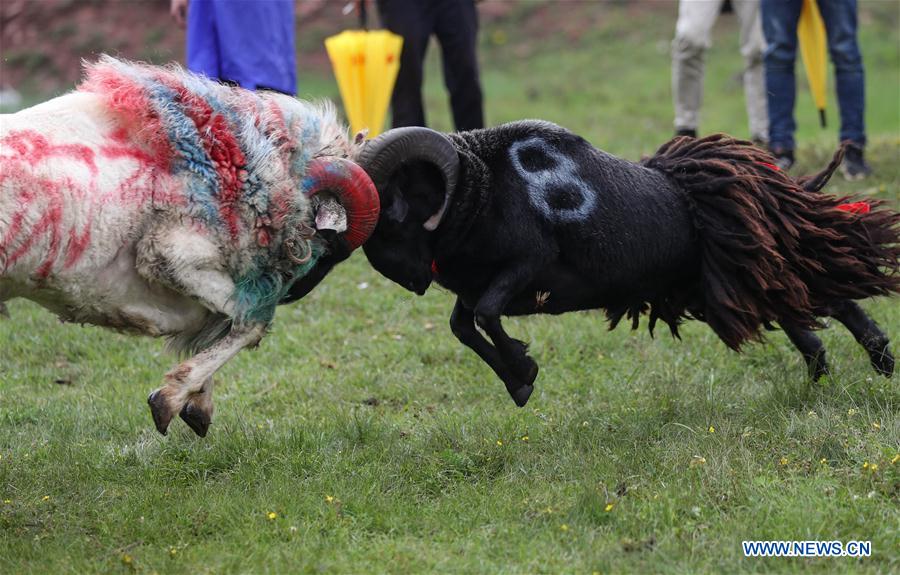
(362, 437)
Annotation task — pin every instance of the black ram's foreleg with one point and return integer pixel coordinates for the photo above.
(462, 323)
(810, 346)
(491, 304)
(867, 334)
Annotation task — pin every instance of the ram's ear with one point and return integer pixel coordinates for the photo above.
(331, 215)
(397, 210)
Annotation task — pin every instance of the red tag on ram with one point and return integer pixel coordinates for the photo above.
(856, 208)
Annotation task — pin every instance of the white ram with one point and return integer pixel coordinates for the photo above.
(157, 202)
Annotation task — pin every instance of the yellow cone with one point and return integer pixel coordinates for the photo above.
(365, 65)
(811, 32)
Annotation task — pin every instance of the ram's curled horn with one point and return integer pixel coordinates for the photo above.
(353, 188)
(382, 156)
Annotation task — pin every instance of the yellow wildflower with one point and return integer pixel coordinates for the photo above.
(127, 559)
(173, 552)
(609, 506)
(524, 438)
(329, 499)
(564, 527)
(873, 467)
(784, 461)
(851, 412)
(876, 426)
(895, 459)
(823, 461)
(272, 515)
(7, 501)
(712, 429)
(866, 465)
(45, 498)
(499, 443)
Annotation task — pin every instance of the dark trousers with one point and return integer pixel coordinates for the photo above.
(455, 23)
(779, 21)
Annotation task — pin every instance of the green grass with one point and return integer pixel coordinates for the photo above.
(382, 445)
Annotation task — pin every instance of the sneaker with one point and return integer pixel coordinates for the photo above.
(854, 166)
(689, 132)
(784, 158)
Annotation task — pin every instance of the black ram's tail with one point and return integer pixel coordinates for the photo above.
(772, 247)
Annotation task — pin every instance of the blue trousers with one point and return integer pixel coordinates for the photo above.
(779, 21)
(248, 42)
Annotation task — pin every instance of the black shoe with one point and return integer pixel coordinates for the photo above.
(854, 166)
(784, 158)
(689, 132)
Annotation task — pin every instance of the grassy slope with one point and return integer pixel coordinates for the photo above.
(365, 397)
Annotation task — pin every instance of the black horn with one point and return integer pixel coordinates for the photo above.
(381, 156)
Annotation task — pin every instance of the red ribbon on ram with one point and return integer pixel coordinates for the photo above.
(353, 188)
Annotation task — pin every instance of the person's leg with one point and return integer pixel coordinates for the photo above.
(692, 38)
(840, 26)
(752, 47)
(779, 23)
(456, 26)
(202, 52)
(256, 41)
(407, 18)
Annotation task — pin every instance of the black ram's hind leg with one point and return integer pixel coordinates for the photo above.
(462, 323)
(811, 347)
(867, 334)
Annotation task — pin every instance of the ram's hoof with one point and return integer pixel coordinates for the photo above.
(160, 411)
(883, 362)
(526, 371)
(818, 366)
(521, 395)
(197, 419)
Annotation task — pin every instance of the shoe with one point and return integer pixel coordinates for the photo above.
(784, 158)
(760, 141)
(854, 166)
(689, 132)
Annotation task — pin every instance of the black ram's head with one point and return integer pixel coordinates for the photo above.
(415, 171)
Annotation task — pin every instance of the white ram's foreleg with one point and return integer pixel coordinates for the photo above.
(190, 262)
(189, 378)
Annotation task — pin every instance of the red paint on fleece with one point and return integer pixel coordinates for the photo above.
(77, 244)
(224, 152)
(34, 148)
(51, 221)
(127, 100)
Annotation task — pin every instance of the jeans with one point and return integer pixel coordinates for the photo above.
(779, 20)
(693, 36)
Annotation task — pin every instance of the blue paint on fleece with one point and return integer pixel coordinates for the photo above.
(193, 160)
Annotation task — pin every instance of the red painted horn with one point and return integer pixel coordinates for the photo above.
(353, 188)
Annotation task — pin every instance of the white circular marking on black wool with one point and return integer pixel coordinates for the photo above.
(551, 178)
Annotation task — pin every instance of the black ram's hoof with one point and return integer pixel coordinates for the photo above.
(160, 412)
(196, 419)
(521, 395)
(883, 362)
(818, 367)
